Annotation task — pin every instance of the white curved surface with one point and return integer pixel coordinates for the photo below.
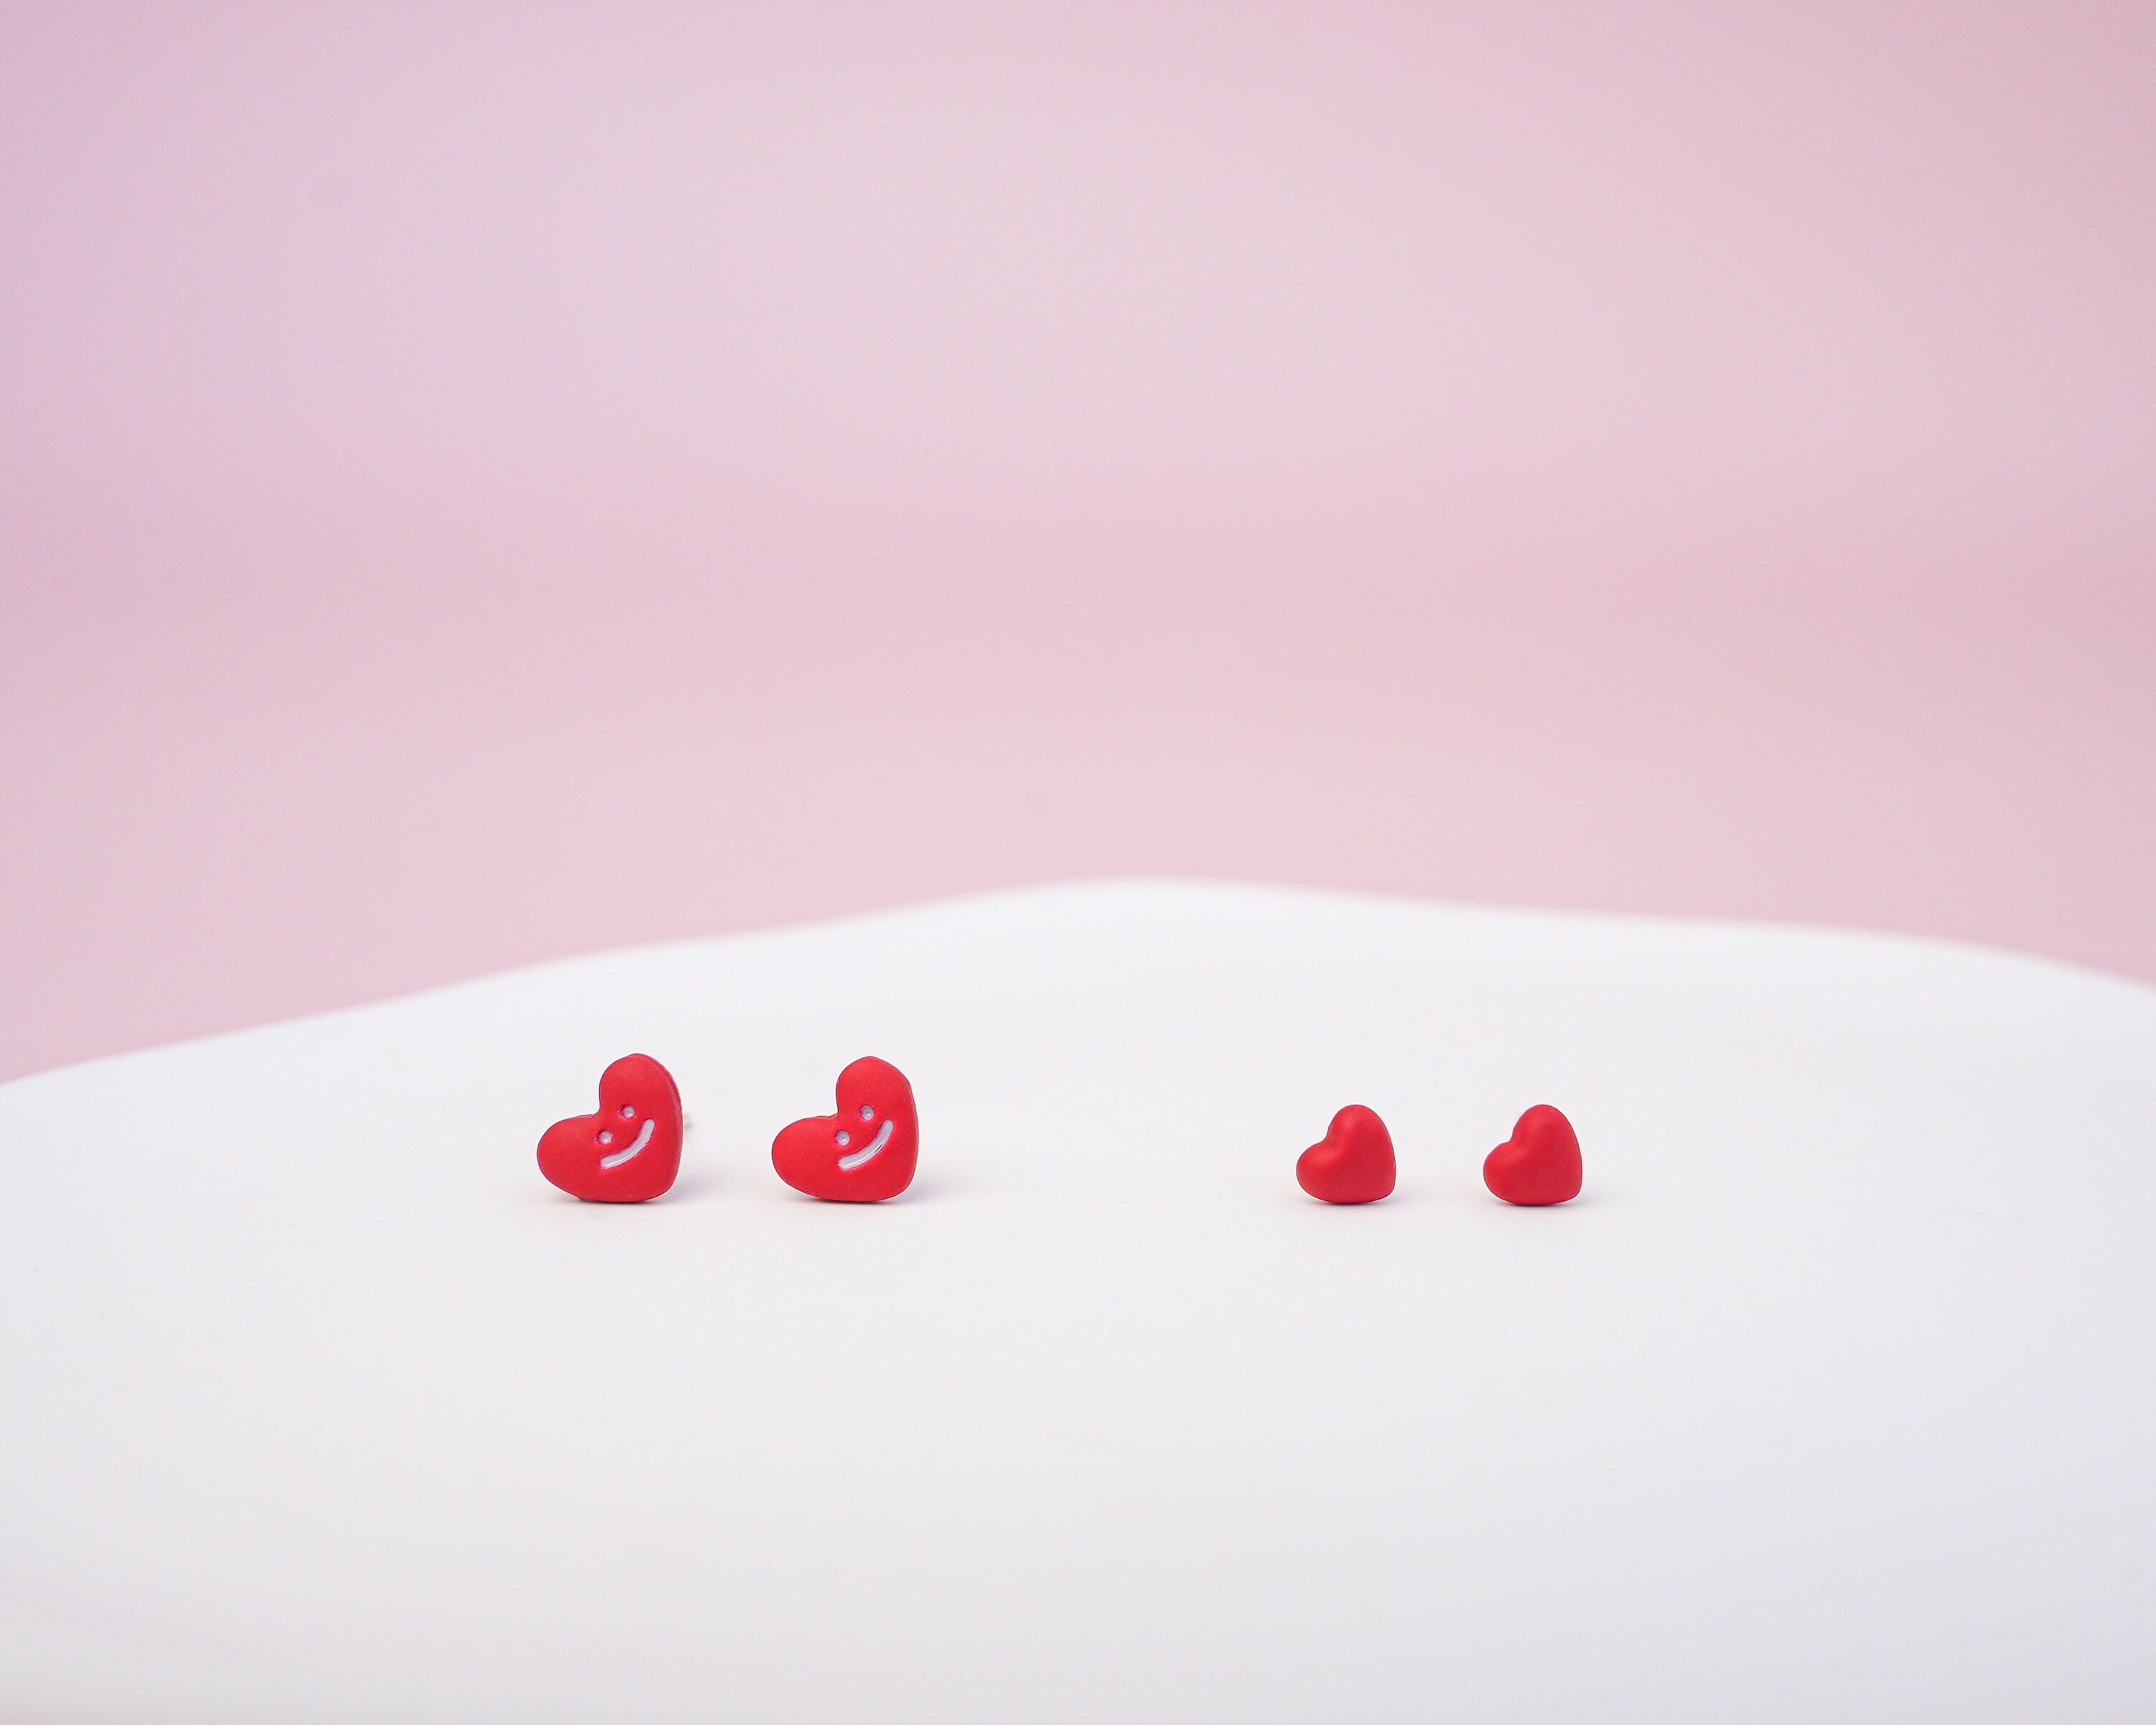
(1832, 1398)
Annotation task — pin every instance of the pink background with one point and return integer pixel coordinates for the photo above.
(475, 488)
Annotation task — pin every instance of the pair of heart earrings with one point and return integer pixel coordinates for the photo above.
(1353, 1162)
(631, 1150)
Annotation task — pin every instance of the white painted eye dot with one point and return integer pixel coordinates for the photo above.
(867, 1112)
(844, 1140)
(628, 1112)
(606, 1137)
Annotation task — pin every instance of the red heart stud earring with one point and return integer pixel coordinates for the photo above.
(627, 1151)
(865, 1152)
(1539, 1163)
(1353, 1164)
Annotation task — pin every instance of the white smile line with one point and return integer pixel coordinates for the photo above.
(643, 1137)
(882, 1138)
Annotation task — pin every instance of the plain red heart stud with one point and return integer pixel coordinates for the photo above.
(627, 1151)
(865, 1152)
(1353, 1163)
(1539, 1163)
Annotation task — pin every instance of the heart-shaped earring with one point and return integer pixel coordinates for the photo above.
(1539, 1163)
(865, 1152)
(627, 1151)
(1353, 1164)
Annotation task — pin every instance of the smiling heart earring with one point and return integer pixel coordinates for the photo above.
(865, 1152)
(631, 1149)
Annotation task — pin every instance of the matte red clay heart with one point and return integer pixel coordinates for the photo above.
(865, 1152)
(1539, 1163)
(627, 1151)
(1354, 1164)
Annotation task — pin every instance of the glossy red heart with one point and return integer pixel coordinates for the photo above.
(1353, 1163)
(1539, 1163)
(627, 1151)
(863, 1153)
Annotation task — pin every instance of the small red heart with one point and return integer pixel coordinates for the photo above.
(1354, 1163)
(631, 1149)
(863, 1153)
(1539, 1163)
